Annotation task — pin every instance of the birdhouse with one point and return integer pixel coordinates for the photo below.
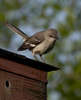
(22, 78)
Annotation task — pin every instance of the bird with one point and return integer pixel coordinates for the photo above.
(40, 43)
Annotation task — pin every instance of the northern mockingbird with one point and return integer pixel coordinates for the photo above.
(39, 43)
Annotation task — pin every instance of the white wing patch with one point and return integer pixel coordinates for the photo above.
(32, 45)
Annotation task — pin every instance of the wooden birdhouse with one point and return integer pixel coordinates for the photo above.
(22, 78)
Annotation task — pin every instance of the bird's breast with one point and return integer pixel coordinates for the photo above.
(43, 47)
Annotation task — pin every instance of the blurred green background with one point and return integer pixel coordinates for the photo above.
(36, 15)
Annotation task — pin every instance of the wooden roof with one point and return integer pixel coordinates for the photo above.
(26, 61)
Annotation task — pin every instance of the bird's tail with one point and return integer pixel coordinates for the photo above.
(17, 30)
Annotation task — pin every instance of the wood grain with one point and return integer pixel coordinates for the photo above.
(20, 88)
(24, 70)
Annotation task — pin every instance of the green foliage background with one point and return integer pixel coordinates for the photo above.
(65, 16)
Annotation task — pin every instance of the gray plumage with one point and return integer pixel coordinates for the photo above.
(38, 38)
(40, 43)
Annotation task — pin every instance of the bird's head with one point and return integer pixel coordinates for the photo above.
(52, 33)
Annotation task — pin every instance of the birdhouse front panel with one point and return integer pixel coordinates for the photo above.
(16, 87)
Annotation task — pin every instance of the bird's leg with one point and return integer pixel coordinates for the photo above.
(33, 54)
(35, 57)
(42, 59)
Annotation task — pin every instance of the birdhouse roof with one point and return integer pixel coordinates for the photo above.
(26, 61)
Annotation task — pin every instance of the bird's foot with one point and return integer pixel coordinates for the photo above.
(42, 59)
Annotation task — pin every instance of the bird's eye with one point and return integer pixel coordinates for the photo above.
(51, 36)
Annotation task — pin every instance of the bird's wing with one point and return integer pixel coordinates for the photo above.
(32, 42)
(17, 30)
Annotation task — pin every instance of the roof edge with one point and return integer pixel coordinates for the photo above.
(26, 61)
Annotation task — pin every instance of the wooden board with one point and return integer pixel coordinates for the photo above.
(11, 56)
(23, 70)
(15, 87)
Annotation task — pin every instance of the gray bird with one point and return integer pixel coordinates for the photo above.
(39, 43)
